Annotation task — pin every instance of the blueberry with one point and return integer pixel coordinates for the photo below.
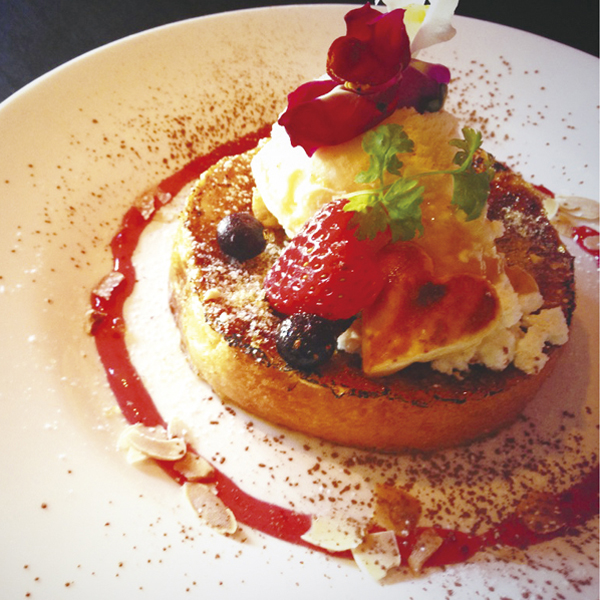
(306, 341)
(241, 236)
(434, 103)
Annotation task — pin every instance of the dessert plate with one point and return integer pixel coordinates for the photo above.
(79, 145)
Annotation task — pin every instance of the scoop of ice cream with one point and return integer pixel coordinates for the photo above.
(293, 186)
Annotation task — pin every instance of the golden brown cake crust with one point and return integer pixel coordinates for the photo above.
(228, 331)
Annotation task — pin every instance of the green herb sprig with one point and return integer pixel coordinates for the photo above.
(397, 205)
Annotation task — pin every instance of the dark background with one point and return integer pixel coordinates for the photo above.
(38, 35)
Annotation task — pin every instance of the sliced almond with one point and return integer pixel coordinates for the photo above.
(193, 467)
(334, 534)
(212, 294)
(176, 428)
(163, 197)
(551, 206)
(378, 554)
(210, 508)
(396, 509)
(106, 287)
(154, 442)
(540, 512)
(145, 204)
(578, 207)
(427, 544)
(521, 280)
(135, 456)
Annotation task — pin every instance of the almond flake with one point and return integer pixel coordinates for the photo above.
(580, 208)
(334, 534)
(163, 197)
(134, 456)
(210, 508)
(145, 205)
(551, 205)
(108, 284)
(377, 554)
(427, 544)
(176, 428)
(154, 442)
(212, 294)
(540, 512)
(396, 509)
(193, 467)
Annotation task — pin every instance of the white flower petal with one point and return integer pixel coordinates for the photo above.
(437, 26)
(394, 4)
(135, 456)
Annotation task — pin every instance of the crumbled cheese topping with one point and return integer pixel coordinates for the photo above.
(547, 327)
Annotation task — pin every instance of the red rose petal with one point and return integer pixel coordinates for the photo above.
(335, 117)
(375, 49)
(372, 74)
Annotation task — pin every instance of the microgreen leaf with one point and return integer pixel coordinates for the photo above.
(362, 201)
(383, 145)
(371, 174)
(467, 148)
(471, 188)
(394, 165)
(403, 205)
(370, 221)
(397, 205)
(470, 193)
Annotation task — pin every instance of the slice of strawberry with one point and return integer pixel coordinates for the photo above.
(326, 270)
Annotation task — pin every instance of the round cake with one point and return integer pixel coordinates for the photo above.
(229, 330)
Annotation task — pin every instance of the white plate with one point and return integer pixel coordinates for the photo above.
(78, 145)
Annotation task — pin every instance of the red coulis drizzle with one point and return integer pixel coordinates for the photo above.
(576, 505)
(582, 233)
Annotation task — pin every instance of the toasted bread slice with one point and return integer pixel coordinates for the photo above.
(229, 332)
